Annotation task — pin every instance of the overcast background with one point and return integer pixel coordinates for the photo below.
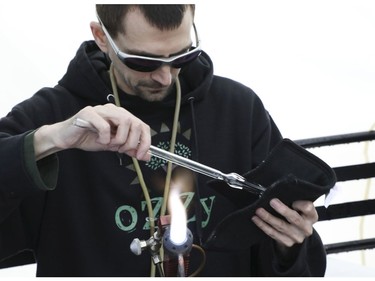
(311, 62)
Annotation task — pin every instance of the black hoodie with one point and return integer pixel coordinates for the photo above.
(78, 211)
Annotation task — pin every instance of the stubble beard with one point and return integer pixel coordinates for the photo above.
(147, 94)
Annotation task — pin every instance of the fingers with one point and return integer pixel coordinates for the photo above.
(133, 139)
(307, 209)
(116, 130)
(92, 121)
(277, 228)
(296, 225)
(144, 144)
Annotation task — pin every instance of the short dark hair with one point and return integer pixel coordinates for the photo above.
(164, 17)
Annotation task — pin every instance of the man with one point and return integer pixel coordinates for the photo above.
(73, 190)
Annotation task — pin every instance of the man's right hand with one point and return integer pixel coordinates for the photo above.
(111, 128)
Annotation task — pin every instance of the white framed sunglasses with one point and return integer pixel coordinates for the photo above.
(149, 64)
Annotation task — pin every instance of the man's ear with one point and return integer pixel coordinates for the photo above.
(99, 36)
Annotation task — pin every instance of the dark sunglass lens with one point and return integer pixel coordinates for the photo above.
(182, 61)
(141, 65)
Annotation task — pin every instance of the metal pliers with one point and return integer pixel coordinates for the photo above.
(234, 180)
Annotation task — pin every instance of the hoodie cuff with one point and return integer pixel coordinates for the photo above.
(43, 172)
(294, 264)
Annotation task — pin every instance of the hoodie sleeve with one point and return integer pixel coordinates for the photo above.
(22, 182)
(20, 173)
(265, 134)
(308, 259)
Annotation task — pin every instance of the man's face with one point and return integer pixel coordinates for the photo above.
(145, 40)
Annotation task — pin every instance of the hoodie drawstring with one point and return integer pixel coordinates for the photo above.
(195, 156)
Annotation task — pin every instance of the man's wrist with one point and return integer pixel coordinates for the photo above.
(43, 142)
(286, 255)
(43, 173)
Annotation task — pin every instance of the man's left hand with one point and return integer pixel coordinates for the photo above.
(297, 226)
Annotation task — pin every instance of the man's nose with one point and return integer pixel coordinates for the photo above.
(163, 75)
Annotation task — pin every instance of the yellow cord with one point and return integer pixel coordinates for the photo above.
(171, 149)
(172, 146)
(169, 168)
(114, 85)
(147, 196)
(203, 253)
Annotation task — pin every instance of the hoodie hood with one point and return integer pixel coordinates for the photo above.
(87, 77)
